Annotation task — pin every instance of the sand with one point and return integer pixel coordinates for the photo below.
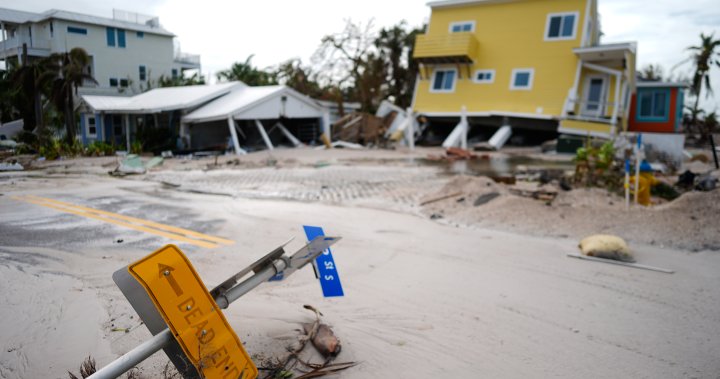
(452, 297)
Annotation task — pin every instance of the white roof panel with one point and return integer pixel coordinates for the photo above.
(232, 103)
(161, 99)
(246, 102)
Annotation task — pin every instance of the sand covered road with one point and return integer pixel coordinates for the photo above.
(423, 298)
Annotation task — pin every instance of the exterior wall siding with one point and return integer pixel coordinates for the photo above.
(510, 36)
(153, 51)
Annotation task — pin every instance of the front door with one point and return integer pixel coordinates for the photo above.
(593, 104)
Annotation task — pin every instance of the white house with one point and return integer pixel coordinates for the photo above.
(127, 50)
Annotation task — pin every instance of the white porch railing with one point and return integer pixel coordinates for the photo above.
(596, 111)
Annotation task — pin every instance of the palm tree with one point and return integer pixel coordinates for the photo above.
(245, 72)
(65, 72)
(704, 57)
(24, 82)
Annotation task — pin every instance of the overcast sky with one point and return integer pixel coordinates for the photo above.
(223, 32)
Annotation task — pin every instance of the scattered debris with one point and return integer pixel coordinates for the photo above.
(686, 180)
(505, 179)
(87, 368)
(706, 183)
(540, 194)
(133, 164)
(360, 128)
(455, 153)
(486, 198)
(436, 199)
(126, 330)
(13, 166)
(324, 341)
(606, 246)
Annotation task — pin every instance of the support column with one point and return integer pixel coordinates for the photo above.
(616, 108)
(326, 125)
(410, 129)
(264, 135)
(127, 132)
(233, 134)
(466, 126)
(296, 142)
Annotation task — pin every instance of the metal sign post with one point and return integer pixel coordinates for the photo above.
(165, 290)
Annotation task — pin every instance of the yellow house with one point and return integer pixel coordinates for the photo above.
(529, 64)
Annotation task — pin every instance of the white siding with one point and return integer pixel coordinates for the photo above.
(153, 51)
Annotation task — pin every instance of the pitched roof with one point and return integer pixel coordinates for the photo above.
(244, 98)
(160, 99)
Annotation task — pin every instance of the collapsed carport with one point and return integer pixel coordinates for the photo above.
(254, 117)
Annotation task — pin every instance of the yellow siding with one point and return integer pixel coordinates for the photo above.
(586, 126)
(510, 35)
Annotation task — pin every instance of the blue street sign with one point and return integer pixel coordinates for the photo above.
(327, 271)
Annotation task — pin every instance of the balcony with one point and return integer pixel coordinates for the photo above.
(13, 46)
(450, 48)
(187, 61)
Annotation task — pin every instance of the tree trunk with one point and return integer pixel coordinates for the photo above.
(70, 117)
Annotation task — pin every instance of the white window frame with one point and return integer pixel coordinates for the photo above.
(87, 125)
(471, 22)
(455, 79)
(561, 37)
(516, 71)
(484, 81)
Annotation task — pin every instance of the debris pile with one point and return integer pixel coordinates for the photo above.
(360, 128)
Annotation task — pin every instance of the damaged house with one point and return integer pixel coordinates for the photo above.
(205, 117)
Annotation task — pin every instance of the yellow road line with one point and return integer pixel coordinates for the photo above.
(149, 223)
(110, 218)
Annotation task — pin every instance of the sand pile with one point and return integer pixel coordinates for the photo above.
(690, 222)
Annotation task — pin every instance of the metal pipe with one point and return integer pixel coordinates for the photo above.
(248, 285)
(133, 357)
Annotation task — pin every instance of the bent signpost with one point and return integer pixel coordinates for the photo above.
(186, 320)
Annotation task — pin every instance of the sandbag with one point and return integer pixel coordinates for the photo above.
(606, 246)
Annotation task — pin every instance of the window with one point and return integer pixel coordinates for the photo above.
(444, 81)
(143, 73)
(140, 34)
(462, 26)
(484, 76)
(76, 30)
(561, 26)
(121, 37)
(113, 82)
(91, 128)
(115, 37)
(174, 73)
(653, 104)
(123, 83)
(522, 79)
(110, 36)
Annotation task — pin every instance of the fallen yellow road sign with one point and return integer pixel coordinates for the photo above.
(192, 315)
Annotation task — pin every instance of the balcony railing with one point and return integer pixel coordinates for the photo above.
(450, 48)
(187, 59)
(36, 46)
(595, 111)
